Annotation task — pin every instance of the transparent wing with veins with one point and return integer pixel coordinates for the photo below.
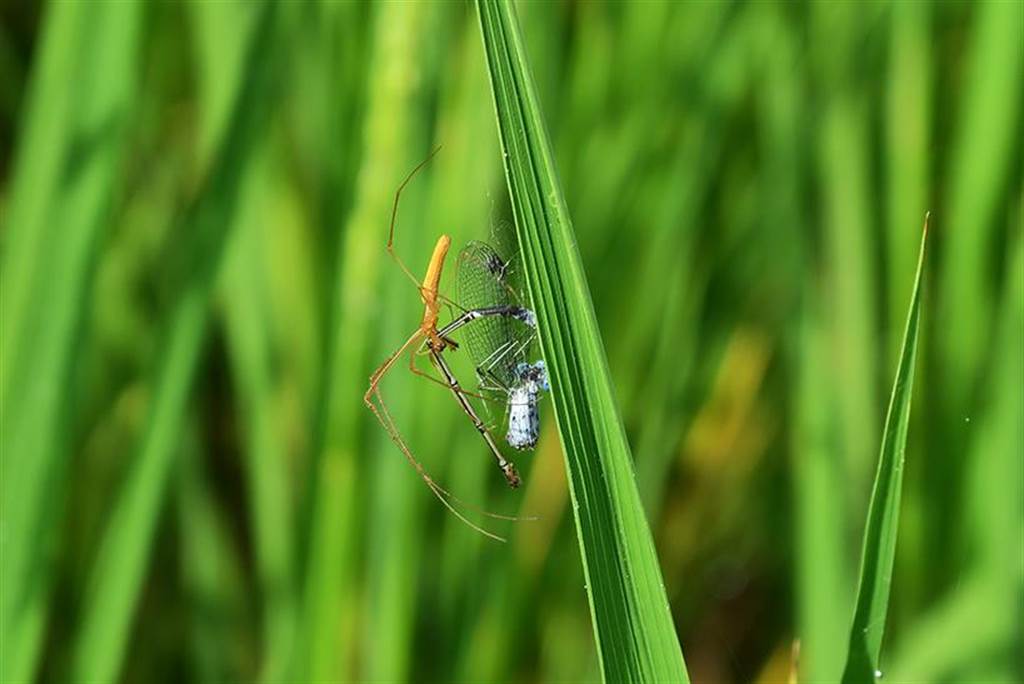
(497, 345)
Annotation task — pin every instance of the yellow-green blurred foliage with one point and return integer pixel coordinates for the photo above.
(195, 200)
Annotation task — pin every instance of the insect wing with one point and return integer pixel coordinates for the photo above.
(497, 344)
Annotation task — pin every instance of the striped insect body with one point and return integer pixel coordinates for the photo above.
(523, 397)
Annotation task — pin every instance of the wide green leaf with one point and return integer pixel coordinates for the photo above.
(862, 660)
(635, 636)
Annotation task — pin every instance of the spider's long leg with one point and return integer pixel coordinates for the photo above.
(375, 378)
(451, 303)
(445, 497)
(387, 421)
(394, 216)
(384, 417)
(506, 466)
(443, 383)
(459, 390)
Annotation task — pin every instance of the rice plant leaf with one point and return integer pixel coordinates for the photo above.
(250, 349)
(635, 636)
(824, 583)
(982, 152)
(326, 646)
(69, 152)
(213, 579)
(862, 660)
(116, 576)
(976, 616)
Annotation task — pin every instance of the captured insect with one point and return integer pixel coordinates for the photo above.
(501, 347)
(428, 339)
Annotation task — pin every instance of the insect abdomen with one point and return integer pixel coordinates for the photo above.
(523, 418)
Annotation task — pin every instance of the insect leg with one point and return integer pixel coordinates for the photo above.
(517, 312)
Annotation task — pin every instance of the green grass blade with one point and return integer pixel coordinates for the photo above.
(862, 661)
(845, 169)
(466, 170)
(908, 143)
(328, 648)
(632, 623)
(982, 614)
(952, 634)
(396, 497)
(983, 151)
(82, 97)
(822, 579)
(982, 165)
(247, 328)
(116, 575)
(212, 577)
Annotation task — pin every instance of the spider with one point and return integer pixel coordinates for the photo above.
(428, 339)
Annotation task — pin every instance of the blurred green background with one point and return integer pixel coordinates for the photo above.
(195, 199)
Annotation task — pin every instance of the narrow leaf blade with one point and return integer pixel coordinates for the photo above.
(862, 661)
(635, 636)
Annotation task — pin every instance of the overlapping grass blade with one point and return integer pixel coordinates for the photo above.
(845, 170)
(632, 623)
(822, 578)
(396, 496)
(465, 171)
(116, 576)
(956, 637)
(63, 185)
(247, 327)
(822, 581)
(387, 137)
(213, 580)
(983, 152)
(983, 164)
(862, 659)
(328, 511)
(907, 150)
